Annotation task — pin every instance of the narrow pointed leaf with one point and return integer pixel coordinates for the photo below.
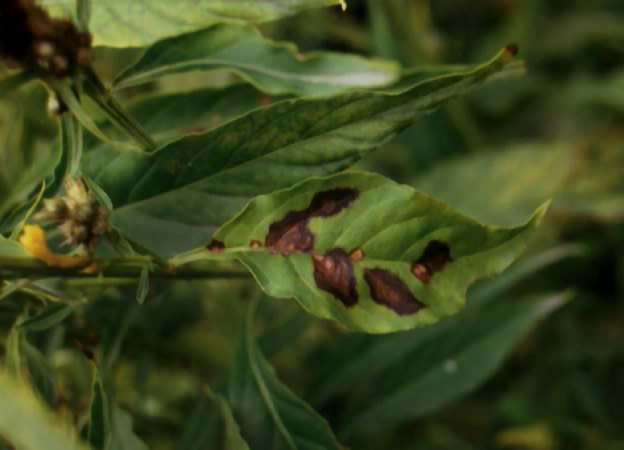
(212, 425)
(119, 23)
(100, 428)
(274, 68)
(369, 253)
(172, 200)
(270, 416)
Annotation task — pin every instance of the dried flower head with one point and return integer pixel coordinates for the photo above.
(30, 38)
(78, 217)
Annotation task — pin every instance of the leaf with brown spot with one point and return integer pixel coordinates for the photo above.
(408, 238)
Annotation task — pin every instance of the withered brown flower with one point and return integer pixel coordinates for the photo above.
(78, 217)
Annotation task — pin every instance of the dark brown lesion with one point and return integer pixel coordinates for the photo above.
(333, 273)
(389, 290)
(434, 259)
(216, 246)
(292, 234)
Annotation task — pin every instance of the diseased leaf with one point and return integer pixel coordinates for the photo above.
(119, 23)
(172, 201)
(274, 68)
(270, 416)
(369, 253)
(441, 363)
(22, 412)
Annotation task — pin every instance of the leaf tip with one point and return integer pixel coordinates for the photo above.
(343, 4)
(540, 212)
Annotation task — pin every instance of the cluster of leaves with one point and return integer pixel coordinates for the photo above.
(248, 170)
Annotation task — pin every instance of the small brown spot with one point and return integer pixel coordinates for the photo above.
(333, 273)
(512, 49)
(389, 290)
(265, 100)
(255, 245)
(434, 259)
(357, 255)
(216, 246)
(292, 233)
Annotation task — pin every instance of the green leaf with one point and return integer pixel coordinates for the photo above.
(269, 414)
(53, 315)
(143, 286)
(501, 186)
(100, 430)
(172, 200)
(274, 68)
(369, 253)
(11, 249)
(171, 116)
(442, 363)
(579, 178)
(212, 425)
(27, 424)
(124, 437)
(118, 23)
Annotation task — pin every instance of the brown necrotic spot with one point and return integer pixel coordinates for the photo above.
(255, 245)
(333, 273)
(329, 203)
(292, 233)
(389, 290)
(434, 259)
(216, 246)
(357, 255)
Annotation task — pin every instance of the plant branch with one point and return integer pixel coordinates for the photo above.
(119, 268)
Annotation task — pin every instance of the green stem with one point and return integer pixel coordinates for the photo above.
(119, 268)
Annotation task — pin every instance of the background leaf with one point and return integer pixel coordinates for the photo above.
(443, 362)
(117, 23)
(274, 68)
(269, 414)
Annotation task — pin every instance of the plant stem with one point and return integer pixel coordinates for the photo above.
(119, 268)
(97, 91)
